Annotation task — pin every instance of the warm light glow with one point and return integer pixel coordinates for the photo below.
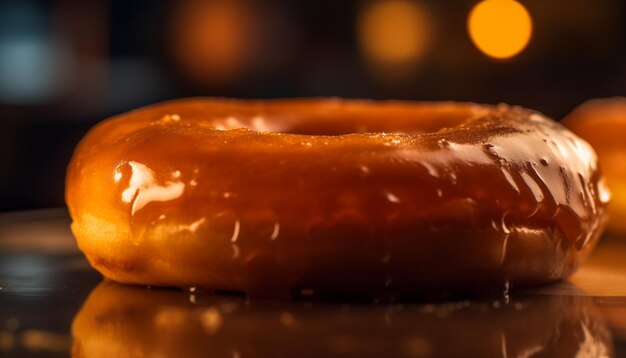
(213, 40)
(392, 32)
(500, 28)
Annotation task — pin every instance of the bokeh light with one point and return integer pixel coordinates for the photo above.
(213, 41)
(394, 32)
(500, 28)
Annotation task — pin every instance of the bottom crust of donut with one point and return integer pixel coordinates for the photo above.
(411, 261)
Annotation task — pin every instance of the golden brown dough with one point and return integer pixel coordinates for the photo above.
(327, 196)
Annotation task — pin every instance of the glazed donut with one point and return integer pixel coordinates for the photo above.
(334, 197)
(602, 122)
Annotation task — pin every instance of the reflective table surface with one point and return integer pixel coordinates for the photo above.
(52, 304)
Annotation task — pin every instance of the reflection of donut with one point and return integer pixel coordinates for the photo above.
(602, 122)
(117, 319)
(277, 197)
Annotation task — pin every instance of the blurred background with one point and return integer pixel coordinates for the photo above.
(65, 65)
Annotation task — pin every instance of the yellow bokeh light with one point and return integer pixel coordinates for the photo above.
(500, 28)
(393, 31)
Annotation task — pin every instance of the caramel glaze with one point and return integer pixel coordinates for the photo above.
(602, 122)
(328, 196)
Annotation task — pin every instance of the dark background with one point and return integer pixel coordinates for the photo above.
(65, 65)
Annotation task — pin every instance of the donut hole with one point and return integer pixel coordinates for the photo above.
(331, 118)
(382, 118)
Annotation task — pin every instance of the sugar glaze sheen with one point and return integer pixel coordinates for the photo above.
(332, 196)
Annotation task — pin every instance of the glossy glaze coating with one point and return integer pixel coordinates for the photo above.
(329, 196)
(602, 122)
